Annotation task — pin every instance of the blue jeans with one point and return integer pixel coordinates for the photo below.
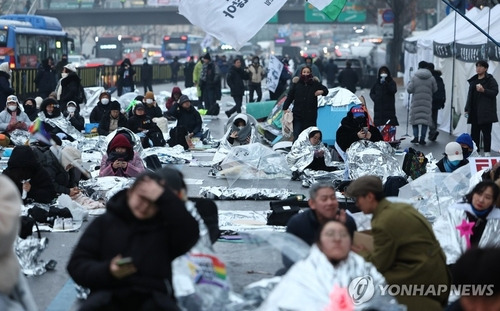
(422, 132)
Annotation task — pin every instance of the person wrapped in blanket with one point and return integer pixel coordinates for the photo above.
(326, 272)
(121, 159)
(354, 127)
(309, 152)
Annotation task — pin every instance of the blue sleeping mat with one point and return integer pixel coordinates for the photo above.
(328, 121)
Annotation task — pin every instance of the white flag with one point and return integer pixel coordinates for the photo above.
(274, 69)
(232, 21)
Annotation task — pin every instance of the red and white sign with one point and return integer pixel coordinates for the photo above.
(478, 164)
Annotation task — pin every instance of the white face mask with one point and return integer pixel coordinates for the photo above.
(64, 75)
(149, 101)
(12, 108)
(383, 75)
(104, 101)
(240, 127)
(71, 109)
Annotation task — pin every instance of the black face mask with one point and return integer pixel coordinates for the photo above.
(360, 121)
(466, 152)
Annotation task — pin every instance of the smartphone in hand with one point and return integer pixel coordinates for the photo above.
(124, 261)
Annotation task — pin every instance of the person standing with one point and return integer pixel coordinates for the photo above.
(308, 62)
(331, 73)
(69, 88)
(348, 78)
(256, 75)
(210, 82)
(198, 68)
(235, 79)
(438, 100)
(174, 67)
(383, 95)
(5, 88)
(405, 249)
(188, 72)
(45, 79)
(481, 106)
(422, 85)
(223, 64)
(147, 75)
(125, 74)
(304, 93)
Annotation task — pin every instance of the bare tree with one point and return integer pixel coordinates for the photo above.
(404, 12)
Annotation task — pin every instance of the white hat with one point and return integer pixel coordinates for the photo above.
(70, 67)
(241, 116)
(38, 101)
(454, 151)
(12, 98)
(5, 67)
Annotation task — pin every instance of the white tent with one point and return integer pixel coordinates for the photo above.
(436, 46)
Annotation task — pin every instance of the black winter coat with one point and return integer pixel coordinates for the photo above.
(23, 165)
(147, 73)
(305, 102)
(153, 111)
(347, 133)
(71, 90)
(152, 244)
(76, 120)
(144, 122)
(235, 79)
(98, 112)
(60, 178)
(482, 107)
(45, 80)
(384, 102)
(348, 78)
(190, 118)
(439, 97)
(103, 128)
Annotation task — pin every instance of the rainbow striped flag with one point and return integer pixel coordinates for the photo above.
(39, 133)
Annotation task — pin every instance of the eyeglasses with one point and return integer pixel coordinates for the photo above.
(336, 234)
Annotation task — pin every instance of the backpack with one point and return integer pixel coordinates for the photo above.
(157, 138)
(214, 110)
(178, 137)
(392, 185)
(415, 163)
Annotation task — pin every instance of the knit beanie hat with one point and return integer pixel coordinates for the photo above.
(104, 94)
(119, 141)
(465, 139)
(115, 105)
(149, 95)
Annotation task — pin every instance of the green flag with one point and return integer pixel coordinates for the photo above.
(334, 9)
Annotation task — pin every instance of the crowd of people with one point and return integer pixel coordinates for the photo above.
(129, 267)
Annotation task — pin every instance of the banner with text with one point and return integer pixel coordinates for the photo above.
(232, 21)
(478, 164)
(274, 69)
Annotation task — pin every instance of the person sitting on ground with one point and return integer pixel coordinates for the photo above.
(174, 99)
(405, 249)
(330, 263)
(240, 132)
(28, 175)
(469, 148)
(112, 119)
(187, 116)
(15, 292)
(308, 152)
(101, 108)
(129, 267)
(150, 106)
(121, 159)
(30, 108)
(323, 207)
(355, 127)
(72, 114)
(453, 158)
(480, 212)
(58, 162)
(143, 125)
(51, 115)
(12, 118)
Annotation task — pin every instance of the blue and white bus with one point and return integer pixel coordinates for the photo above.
(25, 40)
(181, 46)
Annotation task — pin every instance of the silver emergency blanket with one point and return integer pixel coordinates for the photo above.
(19, 137)
(103, 188)
(169, 155)
(368, 158)
(239, 221)
(311, 282)
(302, 153)
(452, 243)
(311, 177)
(62, 124)
(338, 96)
(92, 97)
(225, 147)
(197, 277)
(253, 161)
(224, 193)
(433, 193)
(28, 252)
